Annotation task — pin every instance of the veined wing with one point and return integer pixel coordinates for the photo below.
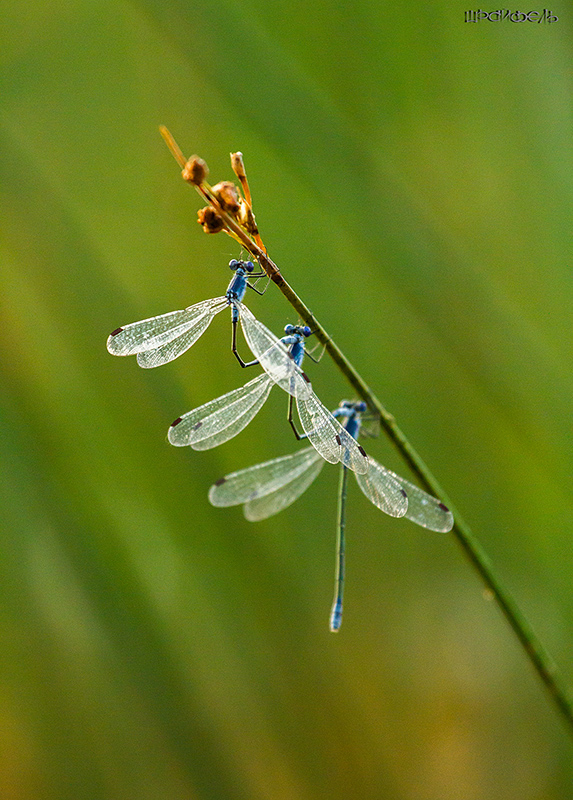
(149, 334)
(273, 355)
(267, 488)
(385, 490)
(270, 504)
(219, 420)
(198, 320)
(261, 479)
(327, 435)
(423, 508)
(370, 426)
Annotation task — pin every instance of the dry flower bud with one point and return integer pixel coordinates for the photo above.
(196, 170)
(209, 219)
(227, 195)
(238, 165)
(247, 218)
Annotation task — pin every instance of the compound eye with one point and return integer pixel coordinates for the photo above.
(233, 264)
(306, 330)
(289, 329)
(248, 265)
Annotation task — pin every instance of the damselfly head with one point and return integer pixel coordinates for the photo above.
(298, 330)
(235, 264)
(357, 406)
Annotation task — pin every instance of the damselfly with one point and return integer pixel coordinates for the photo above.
(221, 419)
(161, 339)
(267, 488)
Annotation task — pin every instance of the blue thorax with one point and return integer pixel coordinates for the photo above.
(351, 413)
(238, 284)
(295, 336)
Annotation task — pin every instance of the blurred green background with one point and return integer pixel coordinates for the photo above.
(412, 177)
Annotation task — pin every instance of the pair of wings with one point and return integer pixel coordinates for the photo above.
(221, 419)
(267, 488)
(161, 339)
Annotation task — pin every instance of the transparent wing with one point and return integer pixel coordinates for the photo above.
(219, 420)
(370, 427)
(270, 504)
(423, 508)
(187, 335)
(273, 355)
(154, 333)
(384, 489)
(327, 435)
(269, 487)
(262, 479)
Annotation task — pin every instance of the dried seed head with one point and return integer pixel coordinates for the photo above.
(195, 171)
(227, 195)
(247, 218)
(238, 165)
(209, 219)
(239, 170)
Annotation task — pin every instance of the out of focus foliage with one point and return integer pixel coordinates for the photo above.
(412, 177)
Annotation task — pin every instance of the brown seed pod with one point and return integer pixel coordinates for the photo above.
(209, 219)
(227, 195)
(195, 171)
(247, 218)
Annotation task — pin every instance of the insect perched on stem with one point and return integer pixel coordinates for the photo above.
(161, 339)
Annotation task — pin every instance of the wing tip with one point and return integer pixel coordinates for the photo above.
(111, 343)
(174, 436)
